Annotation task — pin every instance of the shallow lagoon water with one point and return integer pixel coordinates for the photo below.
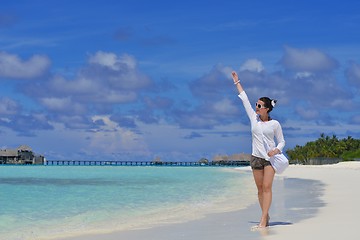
(40, 202)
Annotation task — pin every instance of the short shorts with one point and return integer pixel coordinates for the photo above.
(258, 163)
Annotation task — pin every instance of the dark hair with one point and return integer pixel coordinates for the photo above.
(268, 103)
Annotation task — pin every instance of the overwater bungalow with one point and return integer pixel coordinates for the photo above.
(238, 159)
(21, 156)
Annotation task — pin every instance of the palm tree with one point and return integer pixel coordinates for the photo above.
(325, 146)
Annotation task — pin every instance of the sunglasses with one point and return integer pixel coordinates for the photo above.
(258, 105)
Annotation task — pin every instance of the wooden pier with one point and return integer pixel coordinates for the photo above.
(139, 163)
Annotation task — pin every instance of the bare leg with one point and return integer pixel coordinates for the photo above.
(263, 180)
(259, 179)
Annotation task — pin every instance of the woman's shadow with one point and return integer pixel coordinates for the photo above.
(267, 230)
(274, 223)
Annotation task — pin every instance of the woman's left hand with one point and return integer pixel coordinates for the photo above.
(273, 152)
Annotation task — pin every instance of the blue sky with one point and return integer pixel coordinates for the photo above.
(130, 80)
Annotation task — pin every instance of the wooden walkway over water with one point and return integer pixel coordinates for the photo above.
(140, 163)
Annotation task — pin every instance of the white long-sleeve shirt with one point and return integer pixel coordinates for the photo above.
(271, 130)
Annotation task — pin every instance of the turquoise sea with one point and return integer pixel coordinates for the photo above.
(47, 202)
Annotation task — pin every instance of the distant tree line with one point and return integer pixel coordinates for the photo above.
(326, 147)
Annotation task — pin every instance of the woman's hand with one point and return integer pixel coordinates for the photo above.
(235, 76)
(273, 152)
(237, 81)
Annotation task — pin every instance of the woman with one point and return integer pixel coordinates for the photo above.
(264, 130)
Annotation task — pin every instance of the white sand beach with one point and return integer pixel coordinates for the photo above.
(323, 206)
(338, 219)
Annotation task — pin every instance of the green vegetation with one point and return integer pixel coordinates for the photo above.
(326, 147)
(351, 155)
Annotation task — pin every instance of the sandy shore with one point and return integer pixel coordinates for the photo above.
(310, 202)
(338, 219)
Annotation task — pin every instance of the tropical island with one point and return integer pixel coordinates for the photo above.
(325, 149)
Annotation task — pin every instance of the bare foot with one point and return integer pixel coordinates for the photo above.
(264, 222)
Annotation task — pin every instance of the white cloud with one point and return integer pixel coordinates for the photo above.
(13, 67)
(56, 103)
(80, 85)
(226, 71)
(111, 138)
(353, 74)
(8, 106)
(63, 105)
(356, 119)
(224, 106)
(308, 114)
(115, 72)
(197, 119)
(102, 58)
(307, 60)
(252, 65)
(300, 75)
(112, 61)
(107, 79)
